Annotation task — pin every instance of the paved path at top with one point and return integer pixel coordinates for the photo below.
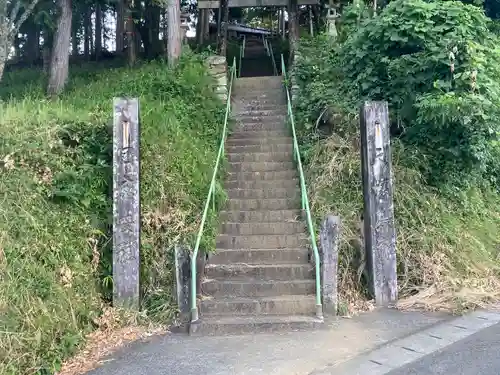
(294, 353)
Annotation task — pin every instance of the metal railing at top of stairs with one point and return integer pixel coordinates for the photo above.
(210, 196)
(304, 198)
(273, 60)
(242, 54)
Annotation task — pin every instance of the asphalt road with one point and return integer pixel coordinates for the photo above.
(478, 354)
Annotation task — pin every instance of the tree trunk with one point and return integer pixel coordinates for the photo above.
(316, 17)
(48, 41)
(120, 26)
(33, 44)
(4, 53)
(17, 47)
(293, 28)
(200, 26)
(131, 42)
(151, 30)
(98, 31)
(60, 50)
(222, 47)
(174, 44)
(206, 31)
(75, 41)
(87, 31)
(154, 32)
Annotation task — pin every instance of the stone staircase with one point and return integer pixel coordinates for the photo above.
(256, 62)
(260, 277)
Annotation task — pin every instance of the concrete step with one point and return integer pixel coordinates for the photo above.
(263, 204)
(258, 272)
(220, 326)
(241, 108)
(264, 216)
(249, 112)
(260, 148)
(251, 99)
(261, 94)
(259, 135)
(265, 166)
(277, 193)
(259, 256)
(252, 82)
(259, 157)
(262, 126)
(238, 288)
(255, 176)
(282, 305)
(251, 118)
(269, 241)
(262, 184)
(258, 141)
(240, 229)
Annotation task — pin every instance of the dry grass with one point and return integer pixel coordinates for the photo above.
(115, 330)
(448, 250)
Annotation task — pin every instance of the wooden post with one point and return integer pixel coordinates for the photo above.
(380, 237)
(126, 203)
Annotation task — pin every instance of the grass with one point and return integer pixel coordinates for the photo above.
(448, 247)
(55, 156)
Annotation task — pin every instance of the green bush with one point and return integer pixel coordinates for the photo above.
(436, 64)
(445, 157)
(55, 270)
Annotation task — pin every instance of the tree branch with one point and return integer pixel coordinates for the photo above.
(24, 16)
(14, 11)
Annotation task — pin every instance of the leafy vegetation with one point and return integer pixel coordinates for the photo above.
(434, 62)
(55, 187)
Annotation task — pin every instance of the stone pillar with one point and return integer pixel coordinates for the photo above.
(329, 237)
(380, 237)
(217, 67)
(294, 86)
(182, 278)
(126, 203)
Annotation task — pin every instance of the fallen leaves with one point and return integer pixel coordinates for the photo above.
(107, 339)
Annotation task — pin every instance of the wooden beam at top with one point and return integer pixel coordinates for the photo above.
(214, 4)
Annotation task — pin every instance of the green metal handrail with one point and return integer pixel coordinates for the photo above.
(211, 195)
(305, 200)
(275, 69)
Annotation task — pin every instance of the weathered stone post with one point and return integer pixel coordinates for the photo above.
(329, 238)
(182, 277)
(380, 237)
(126, 203)
(217, 67)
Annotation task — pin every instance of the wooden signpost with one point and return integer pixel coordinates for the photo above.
(380, 236)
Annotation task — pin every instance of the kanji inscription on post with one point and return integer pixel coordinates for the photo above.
(126, 203)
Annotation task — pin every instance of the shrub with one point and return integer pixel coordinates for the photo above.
(433, 61)
(445, 161)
